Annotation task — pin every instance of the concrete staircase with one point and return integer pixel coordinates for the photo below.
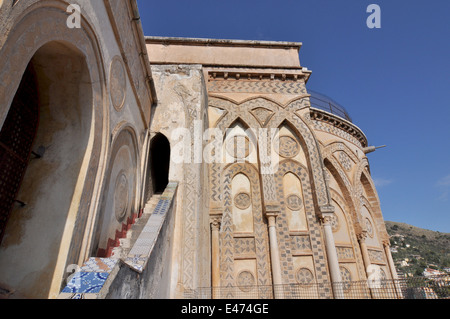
(133, 233)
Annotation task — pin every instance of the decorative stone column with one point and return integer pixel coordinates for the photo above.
(272, 213)
(387, 251)
(365, 253)
(366, 257)
(215, 256)
(333, 261)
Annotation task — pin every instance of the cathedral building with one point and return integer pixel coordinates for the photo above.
(153, 167)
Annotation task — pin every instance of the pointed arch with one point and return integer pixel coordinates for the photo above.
(233, 112)
(313, 155)
(249, 99)
(345, 207)
(363, 182)
(260, 233)
(346, 189)
(331, 148)
(309, 243)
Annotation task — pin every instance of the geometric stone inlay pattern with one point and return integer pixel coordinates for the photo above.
(290, 244)
(244, 86)
(300, 243)
(345, 161)
(376, 256)
(288, 147)
(242, 201)
(294, 202)
(260, 232)
(345, 253)
(244, 246)
(245, 281)
(334, 222)
(304, 276)
(325, 127)
(262, 115)
(346, 278)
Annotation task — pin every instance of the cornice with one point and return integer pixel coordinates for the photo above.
(340, 123)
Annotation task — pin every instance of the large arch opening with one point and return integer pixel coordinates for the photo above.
(118, 209)
(160, 163)
(38, 218)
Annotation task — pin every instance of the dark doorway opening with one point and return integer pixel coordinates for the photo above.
(160, 163)
(16, 140)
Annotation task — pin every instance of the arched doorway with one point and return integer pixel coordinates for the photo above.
(159, 163)
(56, 91)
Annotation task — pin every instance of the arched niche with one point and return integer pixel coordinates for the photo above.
(290, 145)
(294, 199)
(369, 193)
(240, 144)
(119, 207)
(373, 237)
(340, 224)
(338, 180)
(50, 188)
(242, 204)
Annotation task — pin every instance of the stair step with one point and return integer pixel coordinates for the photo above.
(118, 252)
(131, 234)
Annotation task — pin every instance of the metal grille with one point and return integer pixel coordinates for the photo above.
(405, 288)
(325, 103)
(16, 139)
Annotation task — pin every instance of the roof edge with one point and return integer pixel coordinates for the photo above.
(222, 42)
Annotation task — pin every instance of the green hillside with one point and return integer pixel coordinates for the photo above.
(414, 249)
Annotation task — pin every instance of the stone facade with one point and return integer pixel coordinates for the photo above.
(322, 180)
(239, 215)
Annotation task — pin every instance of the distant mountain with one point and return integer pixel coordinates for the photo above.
(414, 249)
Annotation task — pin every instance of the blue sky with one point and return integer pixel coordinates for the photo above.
(394, 81)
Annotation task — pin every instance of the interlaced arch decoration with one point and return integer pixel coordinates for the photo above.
(348, 190)
(314, 227)
(335, 195)
(310, 145)
(333, 147)
(260, 229)
(364, 181)
(288, 115)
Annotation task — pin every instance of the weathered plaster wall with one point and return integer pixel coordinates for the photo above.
(110, 43)
(182, 105)
(223, 52)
